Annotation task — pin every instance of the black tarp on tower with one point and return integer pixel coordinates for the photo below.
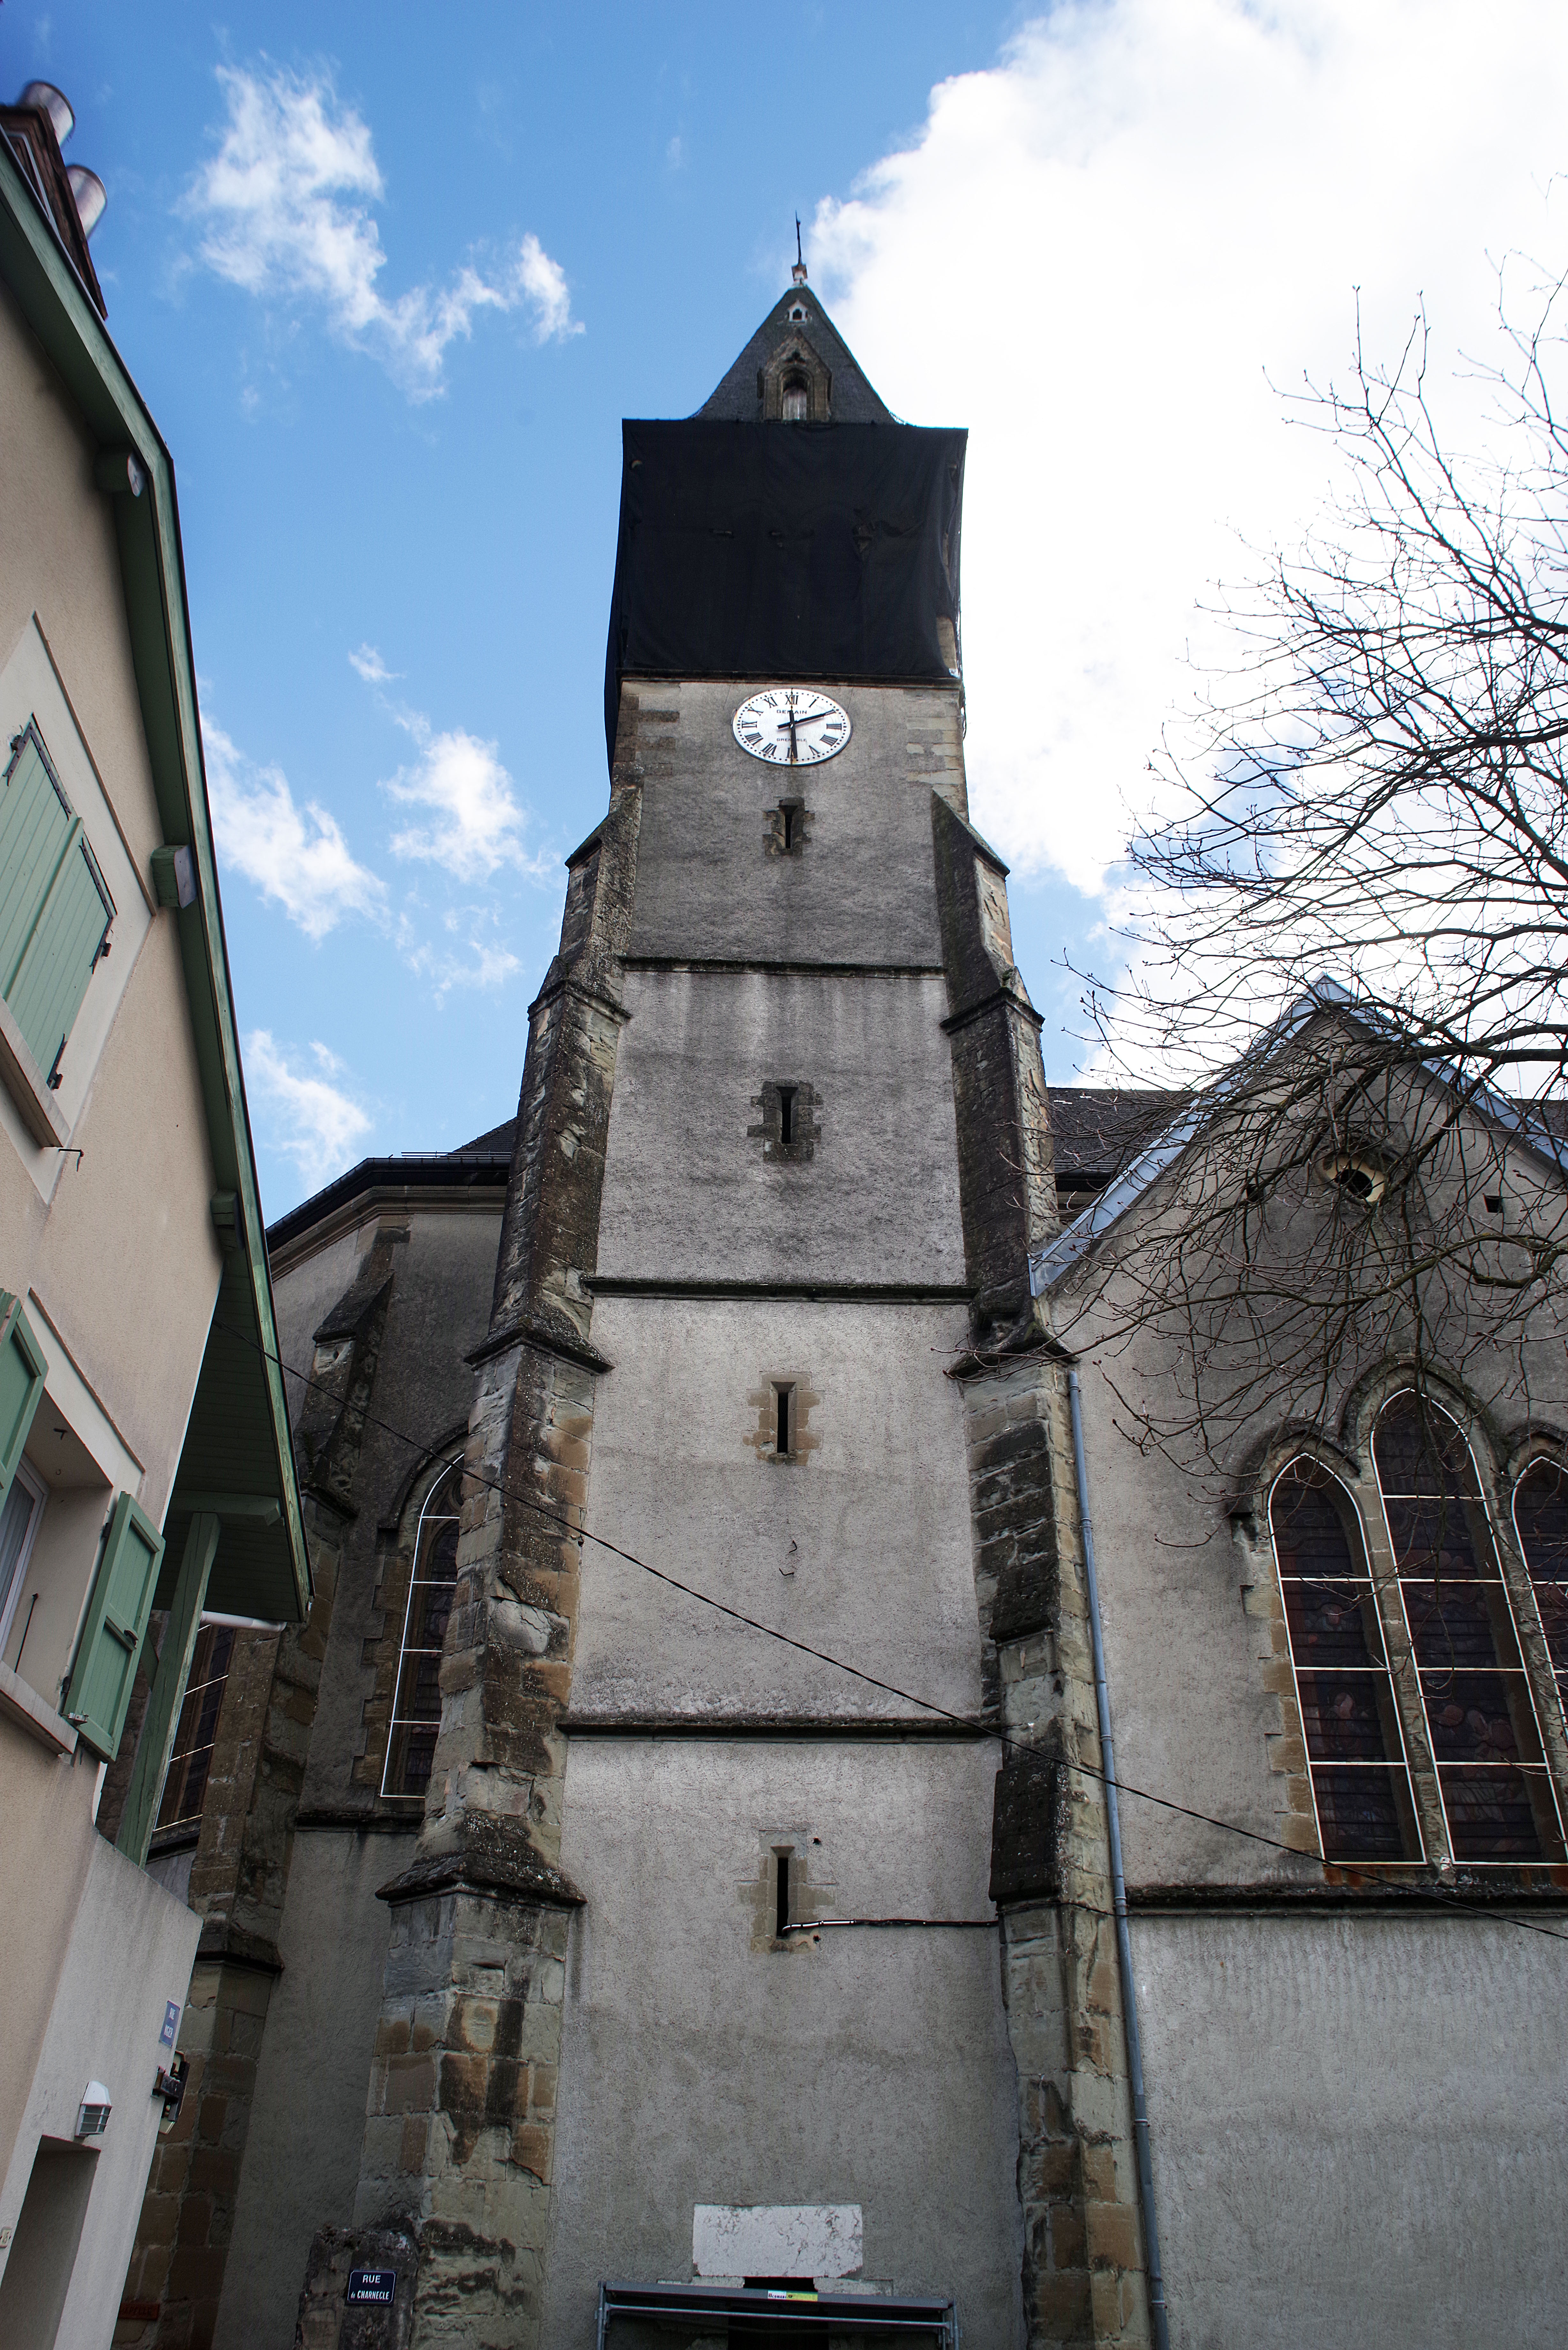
(821, 551)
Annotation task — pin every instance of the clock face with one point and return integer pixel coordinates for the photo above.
(791, 726)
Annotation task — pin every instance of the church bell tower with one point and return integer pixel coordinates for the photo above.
(698, 1981)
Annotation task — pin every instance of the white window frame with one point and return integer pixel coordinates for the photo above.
(28, 1477)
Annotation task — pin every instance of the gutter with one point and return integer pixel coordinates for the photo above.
(1157, 2310)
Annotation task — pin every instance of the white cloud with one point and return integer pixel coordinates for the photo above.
(296, 856)
(543, 282)
(478, 821)
(310, 1116)
(371, 667)
(1096, 254)
(484, 966)
(284, 208)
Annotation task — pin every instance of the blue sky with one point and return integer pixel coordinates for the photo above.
(389, 294)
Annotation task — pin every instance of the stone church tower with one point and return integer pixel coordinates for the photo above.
(694, 1969)
(664, 1895)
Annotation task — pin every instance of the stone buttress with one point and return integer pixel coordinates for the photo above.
(1077, 2182)
(459, 2135)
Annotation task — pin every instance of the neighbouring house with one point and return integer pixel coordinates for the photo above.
(147, 1488)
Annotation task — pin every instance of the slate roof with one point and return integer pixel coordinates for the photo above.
(739, 398)
(1097, 1131)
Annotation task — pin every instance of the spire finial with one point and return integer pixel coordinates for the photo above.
(798, 272)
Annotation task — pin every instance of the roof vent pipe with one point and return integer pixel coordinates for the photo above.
(90, 194)
(55, 104)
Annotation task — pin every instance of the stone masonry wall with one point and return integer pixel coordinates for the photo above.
(1083, 2279)
(460, 2131)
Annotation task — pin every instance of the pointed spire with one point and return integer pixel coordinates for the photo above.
(798, 272)
(797, 352)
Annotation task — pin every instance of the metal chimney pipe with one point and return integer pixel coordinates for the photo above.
(55, 104)
(92, 196)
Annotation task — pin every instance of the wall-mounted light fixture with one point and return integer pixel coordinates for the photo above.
(92, 2120)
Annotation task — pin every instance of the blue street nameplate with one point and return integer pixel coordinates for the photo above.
(371, 2284)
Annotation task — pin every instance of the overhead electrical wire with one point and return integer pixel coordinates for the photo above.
(1398, 1893)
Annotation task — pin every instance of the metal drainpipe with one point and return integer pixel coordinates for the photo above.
(1119, 1891)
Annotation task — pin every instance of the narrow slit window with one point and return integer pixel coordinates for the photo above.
(787, 1116)
(784, 1401)
(416, 1701)
(1356, 1752)
(1541, 1520)
(790, 813)
(1486, 1742)
(781, 1918)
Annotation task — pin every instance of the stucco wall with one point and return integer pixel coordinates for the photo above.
(129, 1952)
(700, 2065)
(302, 2157)
(862, 1548)
(306, 1285)
(47, 1837)
(688, 1191)
(1190, 1704)
(138, 1339)
(863, 891)
(1357, 2129)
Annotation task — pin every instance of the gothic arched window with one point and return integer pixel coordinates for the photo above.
(796, 401)
(1355, 1754)
(1541, 1521)
(416, 1702)
(1480, 1715)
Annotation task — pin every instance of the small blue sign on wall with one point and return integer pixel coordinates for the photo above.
(371, 2284)
(171, 2023)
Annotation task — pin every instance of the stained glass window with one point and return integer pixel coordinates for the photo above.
(1541, 1518)
(1360, 1782)
(1480, 1715)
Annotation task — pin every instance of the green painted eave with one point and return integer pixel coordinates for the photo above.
(239, 1420)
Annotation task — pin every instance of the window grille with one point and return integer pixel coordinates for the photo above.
(1497, 1799)
(1541, 1521)
(1355, 1750)
(416, 1701)
(189, 1764)
(54, 906)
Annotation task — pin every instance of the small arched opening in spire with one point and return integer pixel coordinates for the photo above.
(795, 385)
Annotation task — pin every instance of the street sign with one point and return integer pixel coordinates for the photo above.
(371, 2284)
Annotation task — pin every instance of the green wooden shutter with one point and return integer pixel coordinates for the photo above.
(23, 1371)
(112, 1632)
(54, 908)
